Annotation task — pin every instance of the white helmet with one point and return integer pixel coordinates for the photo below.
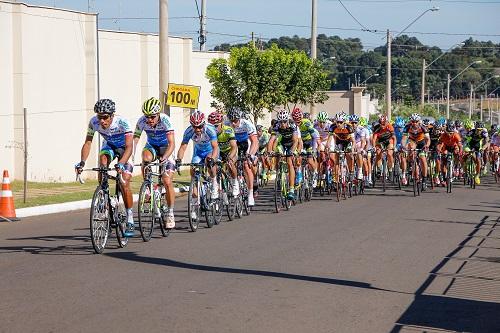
(415, 117)
(341, 116)
(283, 115)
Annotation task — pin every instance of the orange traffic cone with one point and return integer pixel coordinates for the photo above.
(7, 210)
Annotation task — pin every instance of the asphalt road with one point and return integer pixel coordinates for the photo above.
(377, 263)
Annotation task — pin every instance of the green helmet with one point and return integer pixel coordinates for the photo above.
(322, 116)
(363, 121)
(468, 124)
(151, 107)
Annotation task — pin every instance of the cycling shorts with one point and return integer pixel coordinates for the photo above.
(114, 152)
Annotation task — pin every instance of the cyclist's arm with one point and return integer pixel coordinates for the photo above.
(181, 151)
(215, 149)
(129, 143)
(330, 138)
(271, 145)
(254, 144)
(84, 154)
(295, 142)
(170, 147)
(427, 140)
(234, 149)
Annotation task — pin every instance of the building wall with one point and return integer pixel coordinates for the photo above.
(50, 67)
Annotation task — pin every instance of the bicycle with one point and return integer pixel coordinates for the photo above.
(470, 170)
(342, 177)
(243, 184)
(231, 204)
(199, 197)
(449, 171)
(325, 177)
(151, 206)
(281, 183)
(106, 211)
(416, 171)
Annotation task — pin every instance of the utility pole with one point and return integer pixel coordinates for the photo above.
(481, 109)
(422, 92)
(470, 100)
(314, 33)
(253, 43)
(388, 76)
(202, 39)
(163, 86)
(448, 97)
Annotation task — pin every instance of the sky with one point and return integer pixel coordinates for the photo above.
(455, 21)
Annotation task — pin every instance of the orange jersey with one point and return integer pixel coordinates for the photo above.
(450, 140)
(416, 133)
(342, 133)
(383, 133)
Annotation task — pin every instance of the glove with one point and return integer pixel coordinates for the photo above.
(80, 165)
(210, 162)
(120, 166)
(177, 163)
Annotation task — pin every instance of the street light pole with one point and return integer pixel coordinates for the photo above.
(376, 74)
(388, 76)
(314, 33)
(163, 48)
(448, 86)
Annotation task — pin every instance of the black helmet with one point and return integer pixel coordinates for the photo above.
(450, 126)
(104, 106)
(479, 124)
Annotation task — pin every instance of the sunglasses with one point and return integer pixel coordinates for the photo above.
(150, 117)
(106, 117)
(198, 127)
(340, 122)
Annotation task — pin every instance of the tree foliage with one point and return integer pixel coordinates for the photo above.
(342, 59)
(256, 81)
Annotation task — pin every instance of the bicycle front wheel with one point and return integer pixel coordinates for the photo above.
(145, 211)
(194, 205)
(99, 220)
(120, 217)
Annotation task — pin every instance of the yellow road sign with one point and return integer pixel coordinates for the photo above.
(183, 96)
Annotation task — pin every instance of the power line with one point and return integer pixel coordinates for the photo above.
(355, 19)
(445, 1)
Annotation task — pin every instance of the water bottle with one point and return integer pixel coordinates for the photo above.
(114, 202)
(157, 198)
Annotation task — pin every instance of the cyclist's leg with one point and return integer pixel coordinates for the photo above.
(148, 155)
(390, 155)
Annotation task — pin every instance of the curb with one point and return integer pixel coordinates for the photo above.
(66, 206)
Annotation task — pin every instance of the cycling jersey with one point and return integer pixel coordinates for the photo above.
(495, 139)
(202, 142)
(475, 138)
(398, 132)
(285, 135)
(384, 133)
(434, 134)
(115, 134)
(323, 131)
(450, 140)
(360, 133)
(224, 138)
(306, 129)
(416, 133)
(341, 133)
(157, 135)
(244, 130)
(463, 133)
(263, 140)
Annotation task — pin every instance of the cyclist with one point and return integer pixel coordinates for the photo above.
(384, 138)
(308, 139)
(118, 137)
(245, 131)
(360, 138)
(367, 158)
(474, 143)
(450, 141)
(228, 149)
(435, 131)
(206, 148)
(342, 138)
(495, 146)
(263, 137)
(416, 136)
(160, 145)
(285, 135)
(322, 125)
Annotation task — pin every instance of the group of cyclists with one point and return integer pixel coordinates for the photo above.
(220, 140)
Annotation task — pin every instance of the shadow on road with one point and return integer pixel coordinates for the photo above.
(466, 304)
(132, 256)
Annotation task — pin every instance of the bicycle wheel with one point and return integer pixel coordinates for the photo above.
(449, 176)
(194, 210)
(120, 219)
(207, 204)
(163, 210)
(145, 211)
(99, 220)
(415, 178)
(285, 185)
(277, 192)
(384, 173)
(218, 209)
(244, 201)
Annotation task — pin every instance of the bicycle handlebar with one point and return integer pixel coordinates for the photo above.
(100, 170)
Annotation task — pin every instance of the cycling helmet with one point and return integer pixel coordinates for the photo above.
(307, 115)
(468, 124)
(494, 127)
(479, 124)
(215, 118)
(104, 106)
(322, 116)
(458, 123)
(297, 114)
(234, 114)
(363, 121)
(415, 117)
(354, 118)
(450, 127)
(399, 122)
(341, 117)
(426, 121)
(442, 121)
(382, 119)
(283, 115)
(197, 118)
(151, 107)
